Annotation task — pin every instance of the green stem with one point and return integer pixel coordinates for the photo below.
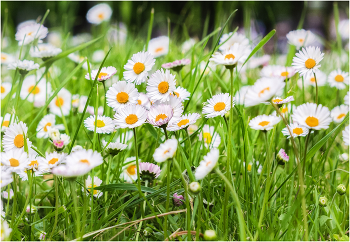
(18, 92)
(167, 199)
(56, 207)
(305, 150)
(303, 89)
(14, 206)
(316, 89)
(77, 214)
(27, 200)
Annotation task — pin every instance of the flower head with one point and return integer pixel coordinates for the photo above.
(218, 105)
(99, 13)
(105, 74)
(113, 148)
(30, 32)
(160, 85)
(301, 38)
(308, 60)
(122, 94)
(165, 151)
(130, 116)
(14, 161)
(45, 51)
(23, 66)
(207, 164)
(282, 157)
(149, 171)
(14, 137)
(176, 65)
(211, 139)
(230, 57)
(264, 122)
(182, 122)
(296, 130)
(158, 46)
(61, 104)
(338, 79)
(159, 115)
(88, 184)
(235, 38)
(338, 113)
(312, 116)
(178, 199)
(103, 124)
(138, 67)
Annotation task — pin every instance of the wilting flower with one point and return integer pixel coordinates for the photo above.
(160, 85)
(264, 122)
(99, 13)
(130, 116)
(31, 32)
(282, 157)
(296, 130)
(176, 65)
(218, 105)
(138, 67)
(308, 60)
(312, 116)
(88, 184)
(158, 46)
(338, 113)
(178, 199)
(165, 151)
(14, 137)
(207, 164)
(149, 171)
(103, 125)
(121, 94)
(105, 74)
(159, 115)
(338, 79)
(301, 38)
(182, 122)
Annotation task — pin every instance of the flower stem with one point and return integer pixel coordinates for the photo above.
(77, 214)
(167, 199)
(56, 208)
(316, 89)
(305, 150)
(14, 206)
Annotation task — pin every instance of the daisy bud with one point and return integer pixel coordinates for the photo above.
(323, 201)
(210, 235)
(31, 210)
(195, 187)
(178, 199)
(42, 235)
(341, 189)
(149, 171)
(282, 157)
(54, 133)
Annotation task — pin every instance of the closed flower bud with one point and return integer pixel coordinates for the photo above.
(195, 187)
(282, 157)
(341, 189)
(323, 201)
(210, 235)
(178, 199)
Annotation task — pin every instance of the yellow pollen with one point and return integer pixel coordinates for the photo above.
(122, 97)
(161, 116)
(100, 124)
(207, 137)
(312, 79)
(163, 87)
(131, 119)
(34, 89)
(177, 94)
(264, 123)
(138, 67)
(284, 110)
(46, 125)
(183, 122)
(263, 90)
(159, 49)
(59, 101)
(339, 78)
(30, 33)
(19, 141)
(95, 191)
(2, 89)
(311, 121)
(208, 163)
(285, 73)
(34, 163)
(229, 56)
(341, 116)
(219, 106)
(53, 161)
(310, 63)
(277, 100)
(249, 168)
(301, 40)
(139, 102)
(101, 75)
(298, 131)
(166, 151)
(85, 161)
(101, 16)
(131, 170)
(6, 123)
(3, 57)
(14, 162)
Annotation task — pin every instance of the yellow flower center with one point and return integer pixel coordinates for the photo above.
(101, 16)
(85, 161)
(311, 121)
(229, 56)
(131, 119)
(284, 110)
(53, 161)
(341, 116)
(34, 163)
(30, 33)
(19, 141)
(166, 151)
(208, 163)
(101, 75)
(277, 100)
(285, 73)
(3, 89)
(310, 63)
(46, 125)
(161, 116)
(263, 90)
(139, 102)
(339, 78)
(131, 169)
(95, 191)
(264, 123)
(219, 106)
(183, 122)
(207, 137)
(6, 123)
(249, 167)
(59, 101)
(297, 131)
(301, 41)
(138, 67)
(34, 89)
(159, 49)
(100, 124)
(312, 79)
(122, 97)
(163, 87)
(14, 162)
(3, 57)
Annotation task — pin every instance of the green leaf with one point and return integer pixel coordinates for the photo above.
(52, 214)
(124, 186)
(324, 219)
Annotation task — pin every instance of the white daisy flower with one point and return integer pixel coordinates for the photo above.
(176, 65)
(301, 38)
(280, 101)
(130, 116)
(338, 79)
(230, 57)
(104, 124)
(53, 159)
(14, 137)
(61, 102)
(23, 66)
(97, 183)
(182, 122)
(6, 176)
(165, 151)
(346, 135)
(346, 99)
(99, 13)
(122, 94)
(308, 60)
(236, 38)
(129, 172)
(48, 121)
(158, 46)
(137, 68)
(192, 128)
(263, 90)
(284, 72)
(55, 38)
(160, 85)
(187, 45)
(31, 32)
(181, 93)
(5, 230)
(6, 58)
(149, 171)
(296, 130)
(338, 113)
(45, 51)
(240, 95)
(264, 122)
(218, 105)
(105, 73)
(14, 161)
(309, 79)
(207, 164)
(175, 103)
(85, 157)
(6, 121)
(211, 139)
(159, 115)
(71, 170)
(143, 101)
(5, 89)
(312, 116)
(113, 147)
(37, 164)
(35, 91)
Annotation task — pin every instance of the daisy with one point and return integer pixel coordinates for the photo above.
(263, 90)
(338, 79)
(6, 121)
(48, 121)
(264, 122)
(175, 103)
(71, 170)
(192, 128)
(207, 164)
(61, 142)
(235, 38)
(346, 99)
(308, 60)
(280, 101)
(312, 116)
(99, 13)
(85, 157)
(160, 85)
(230, 57)
(6, 58)
(5, 230)
(104, 124)
(149, 171)
(211, 139)
(165, 151)
(296, 130)
(14, 137)
(35, 91)
(158, 46)
(285, 72)
(301, 38)
(14, 160)
(23, 66)
(7, 195)
(113, 148)
(282, 157)
(129, 172)
(31, 32)
(187, 45)
(137, 68)
(143, 101)
(343, 29)
(218, 105)
(105, 74)
(338, 113)
(97, 183)
(240, 95)
(130, 116)
(121, 94)
(346, 135)
(5, 89)
(61, 104)
(45, 51)
(181, 93)
(37, 164)
(183, 122)
(6, 177)
(309, 79)
(176, 65)
(53, 159)
(159, 115)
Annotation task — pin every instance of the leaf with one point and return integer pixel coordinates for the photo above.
(124, 186)
(52, 214)
(324, 219)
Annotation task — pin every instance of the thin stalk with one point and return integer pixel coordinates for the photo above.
(199, 215)
(303, 90)
(56, 208)
(144, 209)
(150, 28)
(77, 214)
(316, 89)
(14, 206)
(167, 198)
(305, 150)
(18, 92)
